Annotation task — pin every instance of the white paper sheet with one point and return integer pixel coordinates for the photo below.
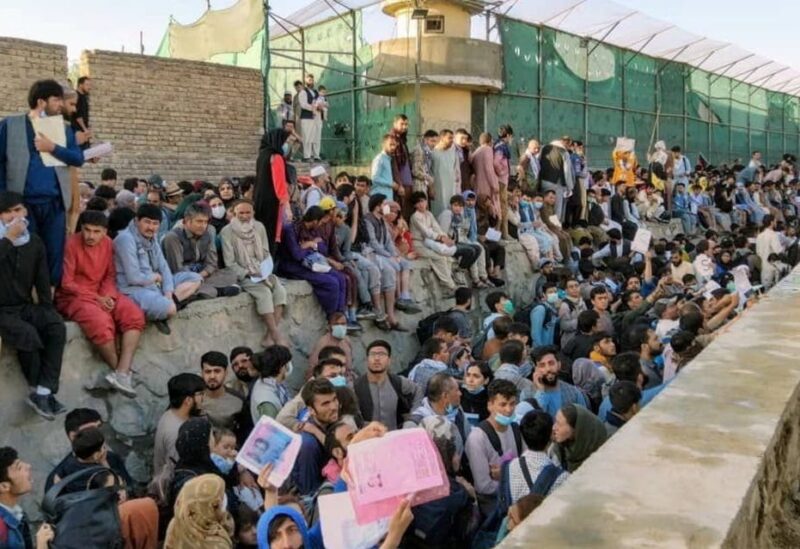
(53, 128)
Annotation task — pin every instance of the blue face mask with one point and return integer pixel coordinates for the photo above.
(224, 465)
(731, 287)
(552, 299)
(338, 381)
(505, 421)
(538, 205)
(451, 411)
(285, 148)
(339, 331)
(476, 391)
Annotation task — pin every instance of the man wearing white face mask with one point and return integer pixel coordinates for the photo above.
(191, 247)
(35, 330)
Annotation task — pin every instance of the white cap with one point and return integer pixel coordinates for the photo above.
(318, 171)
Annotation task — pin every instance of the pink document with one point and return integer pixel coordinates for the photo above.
(385, 470)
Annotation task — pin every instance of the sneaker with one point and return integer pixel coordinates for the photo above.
(41, 405)
(320, 268)
(407, 306)
(498, 282)
(122, 383)
(56, 407)
(229, 291)
(366, 312)
(162, 326)
(354, 327)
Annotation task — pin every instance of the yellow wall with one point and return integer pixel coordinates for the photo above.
(456, 20)
(441, 107)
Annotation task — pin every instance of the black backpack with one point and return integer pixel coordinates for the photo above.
(425, 326)
(84, 520)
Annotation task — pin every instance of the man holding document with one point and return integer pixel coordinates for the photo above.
(245, 249)
(36, 150)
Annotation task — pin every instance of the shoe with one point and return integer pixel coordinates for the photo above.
(162, 326)
(366, 312)
(396, 327)
(55, 406)
(122, 383)
(407, 306)
(229, 291)
(354, 327)
(498, 282)
(383, 324)
(41, 405)
(320, 268)
(487, 282)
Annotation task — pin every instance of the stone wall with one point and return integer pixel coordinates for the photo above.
(711, 462)
(218, 324)
(181, 119)
(22, 62)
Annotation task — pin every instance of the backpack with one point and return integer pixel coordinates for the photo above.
(426, 325)
(494, 438)
(487, 534)
(84, 520)
(478, 343)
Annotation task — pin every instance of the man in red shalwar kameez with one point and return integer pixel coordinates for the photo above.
(88, 295)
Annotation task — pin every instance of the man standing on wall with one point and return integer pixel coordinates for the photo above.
(80, 120)
(47, 190)
(310, 116)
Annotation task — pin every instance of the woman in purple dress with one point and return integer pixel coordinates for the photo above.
(300, 240)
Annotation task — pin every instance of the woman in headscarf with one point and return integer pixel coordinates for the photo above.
(659, 171)
(591, 378)
(577, 433)
(194, 459)
(283, 526)
(227, 192)
(329, 287)
(271, 193)
(201, 519)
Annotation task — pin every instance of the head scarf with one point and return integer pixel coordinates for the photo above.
(192, 446)
(262, 531)
(200, 520)
(272, 142)
(590, 434)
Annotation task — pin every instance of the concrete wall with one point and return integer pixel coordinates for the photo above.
(218, 324)
(709, 463)
(181, 119)
(21, 63)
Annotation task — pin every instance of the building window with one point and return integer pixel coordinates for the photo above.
(434, 24)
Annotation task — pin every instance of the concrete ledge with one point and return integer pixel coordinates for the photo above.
(708, 463)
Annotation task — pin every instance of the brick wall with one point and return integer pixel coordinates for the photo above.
(180, 119)
(22, 62)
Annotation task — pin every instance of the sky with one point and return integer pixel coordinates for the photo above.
(114, 24)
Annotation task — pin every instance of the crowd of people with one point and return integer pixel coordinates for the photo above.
(514, 403)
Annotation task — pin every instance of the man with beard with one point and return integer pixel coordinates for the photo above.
(551, 393)
(463, 140)
(244, 370)
(401, 163)
(47, 190)
(221, 405)
(645, 340)
(143, 273)
(185, 399)
(88, 295)
(383, 396)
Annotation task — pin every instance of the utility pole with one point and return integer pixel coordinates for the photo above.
(208, 5)
(141, 42)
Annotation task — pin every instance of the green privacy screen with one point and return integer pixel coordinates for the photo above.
(560, 84)
(555, 84)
